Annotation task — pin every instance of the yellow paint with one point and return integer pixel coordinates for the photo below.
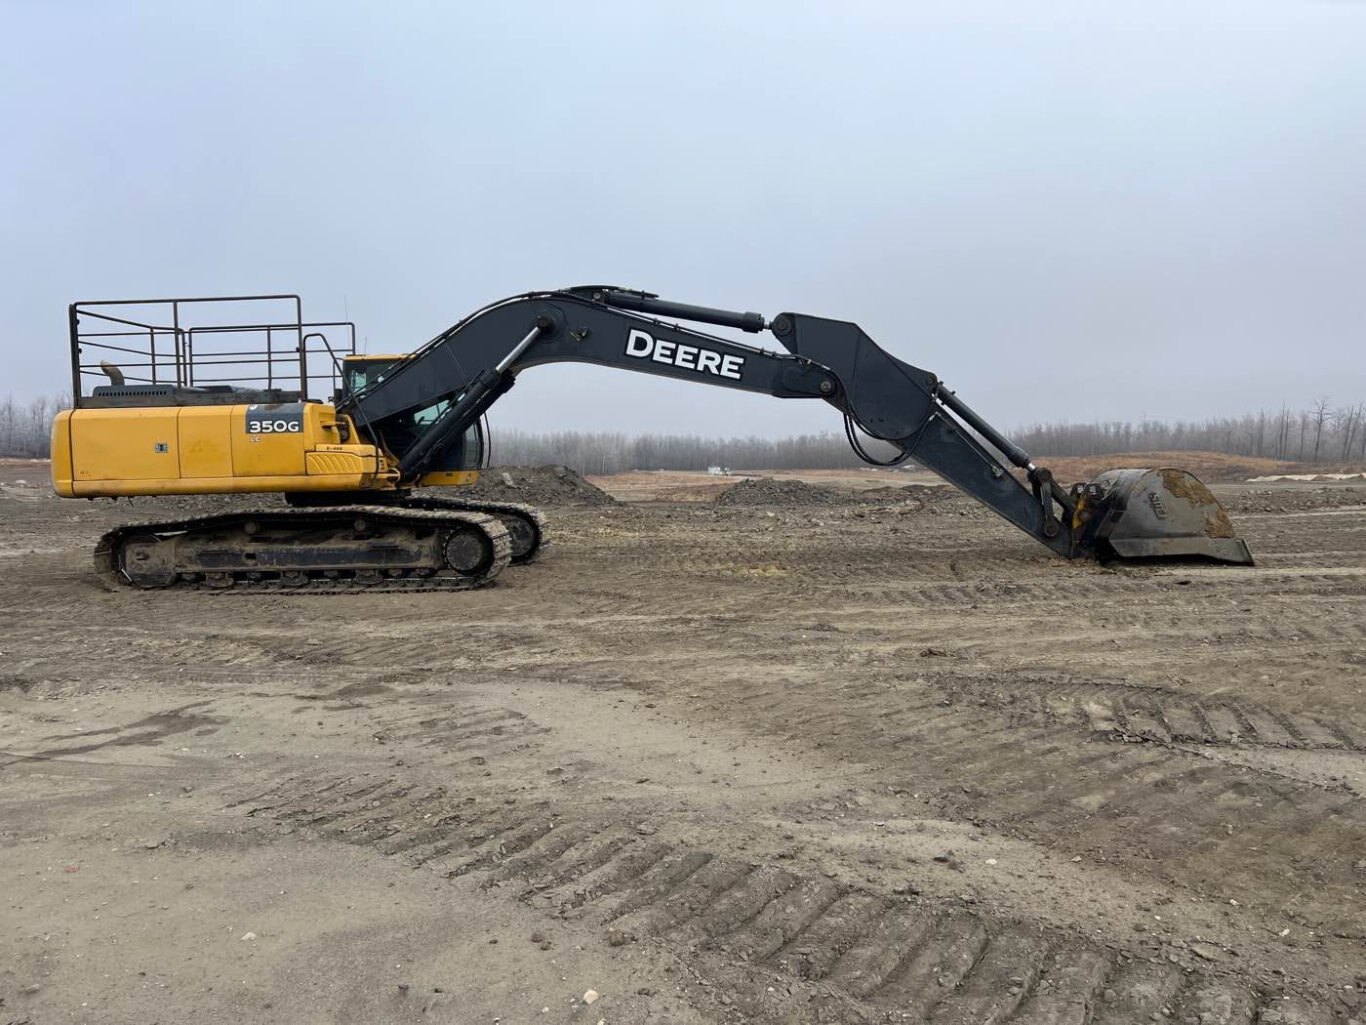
(190, 450)
(448, 478)
(336, 461)
(140, 443)
(205, 442)
(215, 486)
(267, 455)
(61, 454)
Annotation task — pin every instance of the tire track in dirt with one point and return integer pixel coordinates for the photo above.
(474, 731)
(731, 632)
(779, 945)
(1094, 762)
(1244, 833)
(1134, 712)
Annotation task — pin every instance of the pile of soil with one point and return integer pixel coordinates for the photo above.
(1293, 499)
(770, 491)
(536, 485)
(1208, 466)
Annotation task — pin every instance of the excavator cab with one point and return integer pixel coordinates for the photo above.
(470, 452)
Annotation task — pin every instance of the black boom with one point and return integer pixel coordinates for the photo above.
(475, 361)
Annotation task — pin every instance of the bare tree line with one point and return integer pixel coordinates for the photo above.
(25, 427)
(616, 453)
(1320, 433)
(25, 432)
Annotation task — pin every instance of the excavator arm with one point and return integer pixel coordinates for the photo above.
(470, 365)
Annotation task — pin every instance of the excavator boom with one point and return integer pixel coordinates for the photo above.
(1122, 514)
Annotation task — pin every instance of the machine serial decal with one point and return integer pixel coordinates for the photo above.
(287, 418)
(642, 345)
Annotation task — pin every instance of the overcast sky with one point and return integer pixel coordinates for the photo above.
(1066, 211)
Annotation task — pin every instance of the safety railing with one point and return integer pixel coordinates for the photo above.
(257, 342)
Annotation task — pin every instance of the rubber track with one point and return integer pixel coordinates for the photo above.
(106, 563)
(846, 954)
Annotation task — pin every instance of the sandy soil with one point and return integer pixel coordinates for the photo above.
(865, 763)
(691, 486)
(25, 472)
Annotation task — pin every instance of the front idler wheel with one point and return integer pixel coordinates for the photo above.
(523, 537)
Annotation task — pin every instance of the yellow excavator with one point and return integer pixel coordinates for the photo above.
(216, 396)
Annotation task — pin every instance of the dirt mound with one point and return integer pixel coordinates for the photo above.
(536, 485)
(1208, 466)
(1292, 498)
(1319, 478)
(772, 491)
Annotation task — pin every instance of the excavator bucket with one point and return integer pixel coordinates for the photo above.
(1164, 513)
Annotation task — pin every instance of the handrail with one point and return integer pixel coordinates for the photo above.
(180, 335)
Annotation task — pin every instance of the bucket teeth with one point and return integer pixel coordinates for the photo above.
(1156, 513)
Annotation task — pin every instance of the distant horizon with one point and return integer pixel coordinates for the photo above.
(833, 428)
(1322, 435)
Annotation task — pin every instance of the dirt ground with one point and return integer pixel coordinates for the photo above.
(886, 760)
